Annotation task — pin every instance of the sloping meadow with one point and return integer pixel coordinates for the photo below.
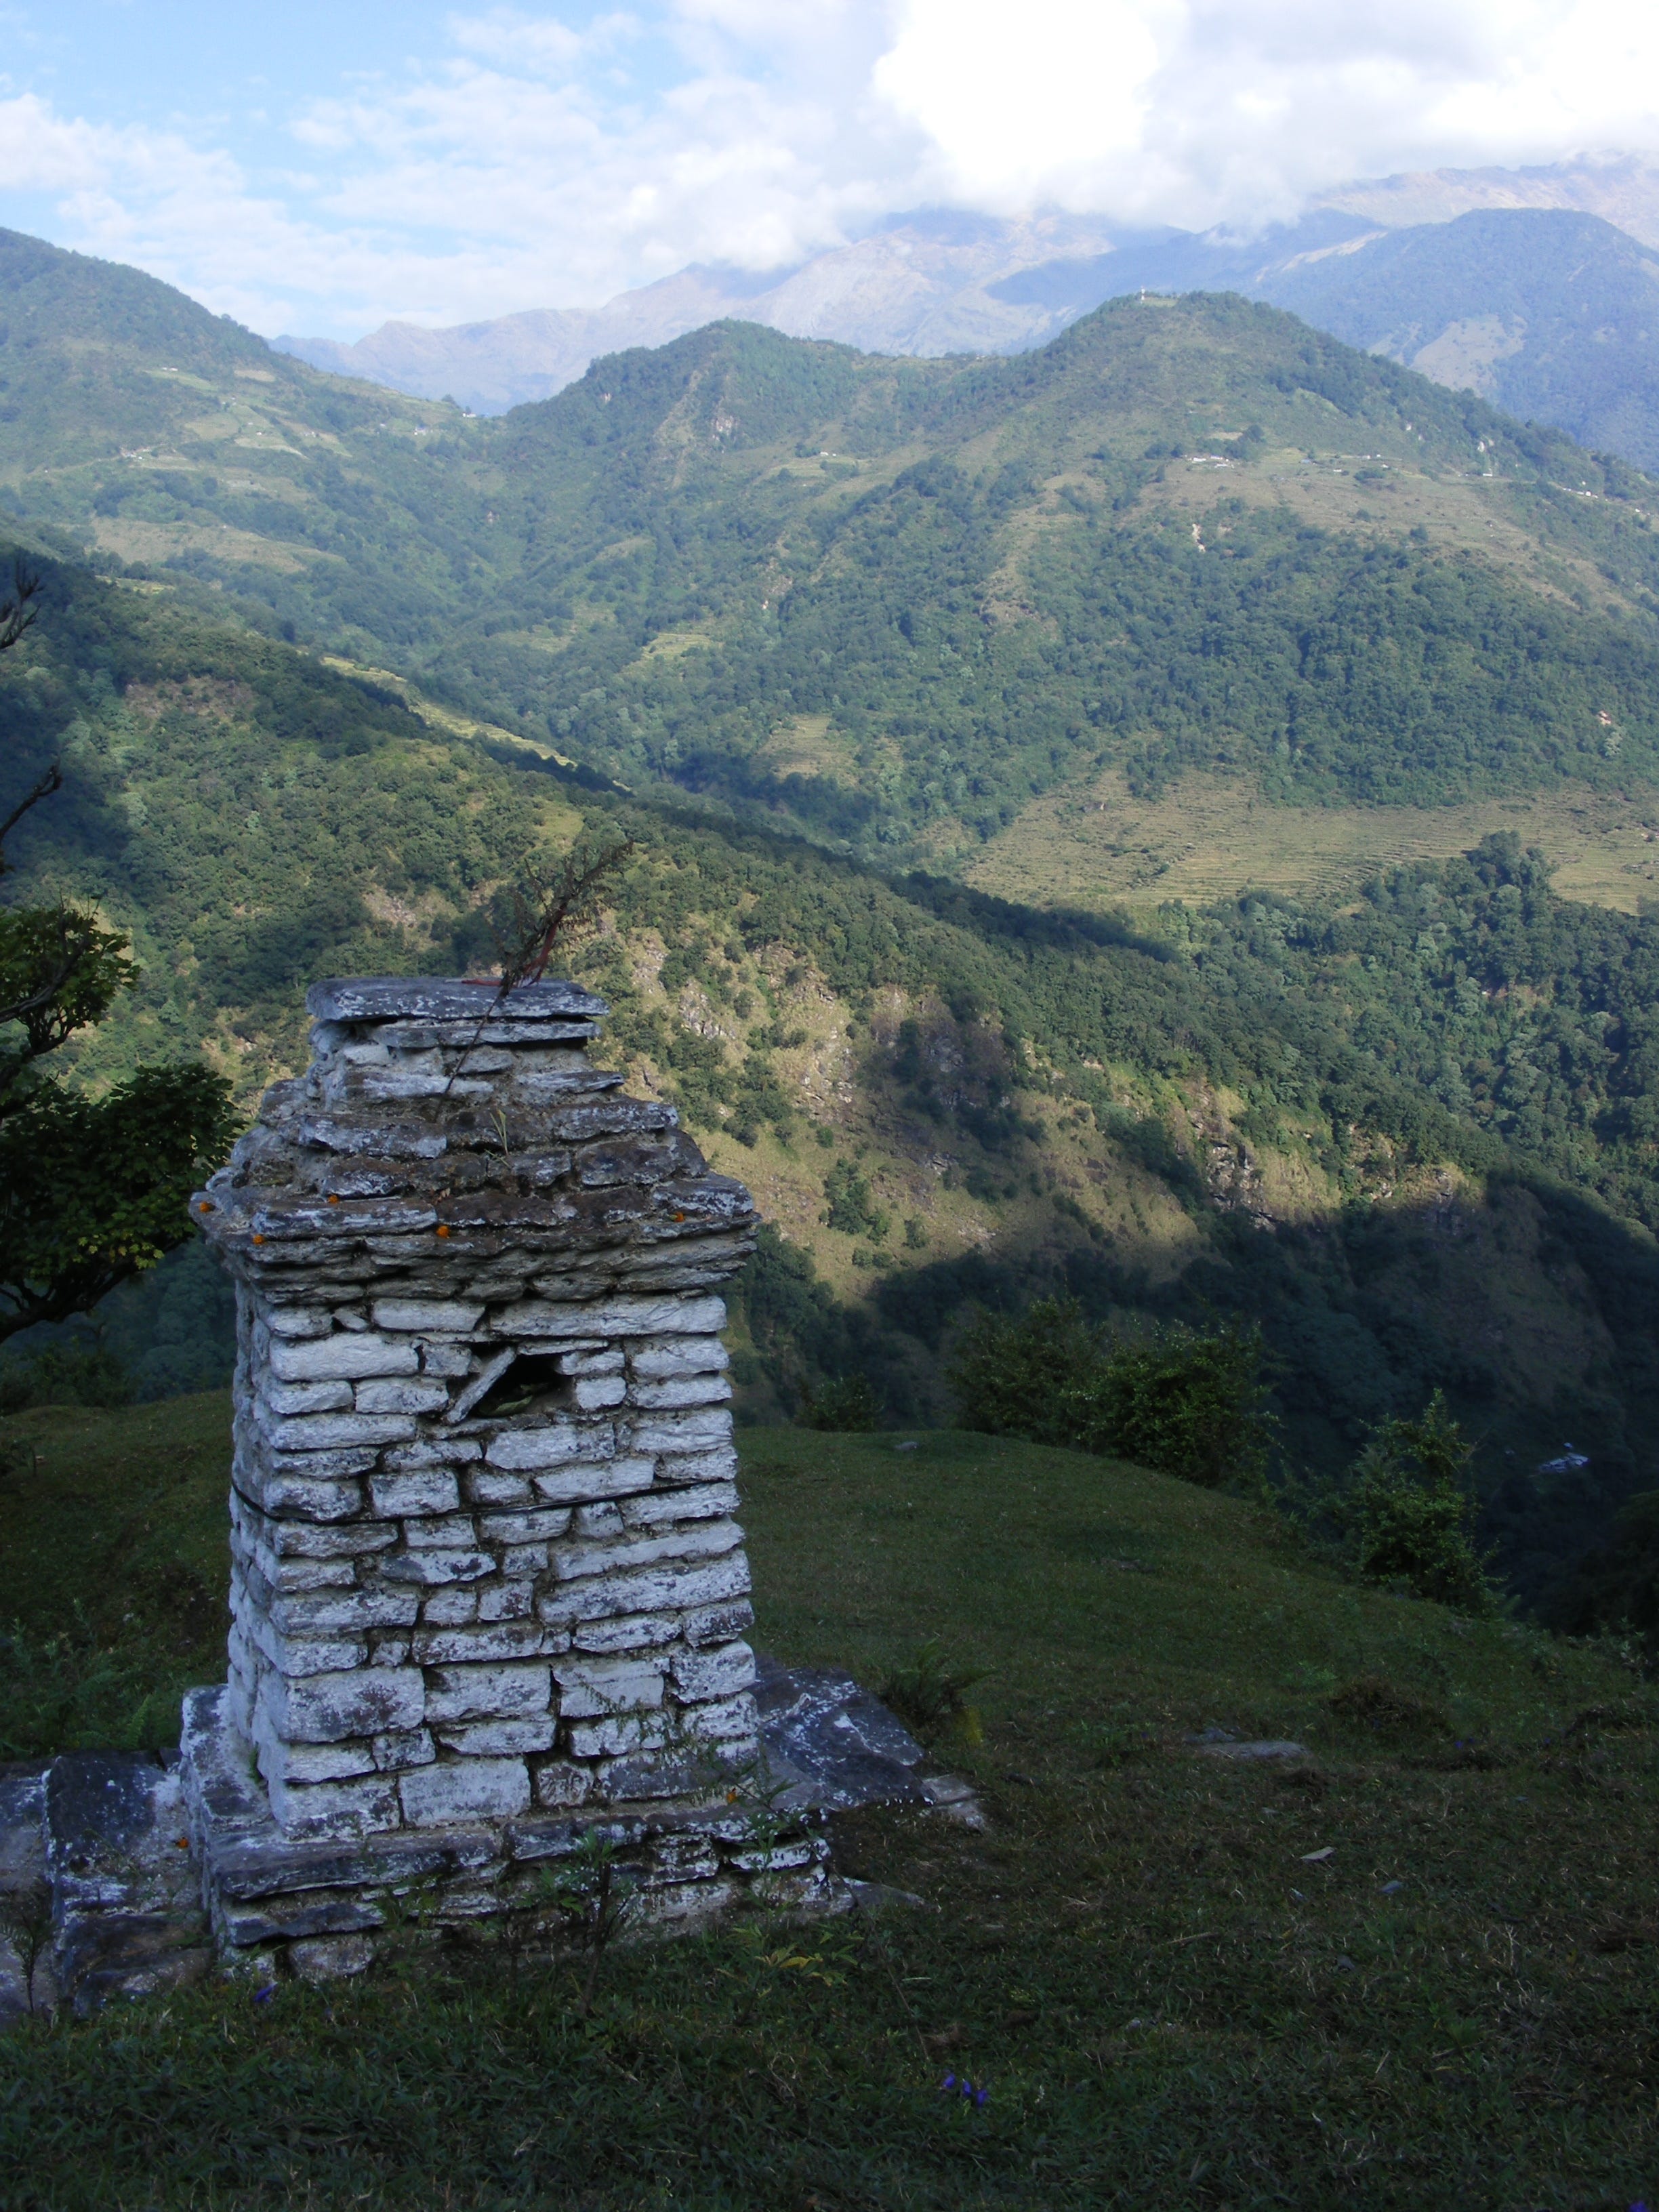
(1409, 1967)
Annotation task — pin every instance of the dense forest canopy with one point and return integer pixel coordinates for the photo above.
(1391, 1135)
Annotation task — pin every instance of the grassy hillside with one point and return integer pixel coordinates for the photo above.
(1410, 1972)
(1092, 844)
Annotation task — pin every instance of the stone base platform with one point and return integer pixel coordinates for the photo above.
(154, 1868)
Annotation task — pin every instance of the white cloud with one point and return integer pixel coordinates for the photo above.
(531, 156)
(1204, 110)
(1015, 103)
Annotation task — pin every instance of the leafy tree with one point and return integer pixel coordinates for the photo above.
(93, 1190)
(1017, 1377)
(847, 1403)
(1410, 1513)
(1616, 1586)
(1189, 1403)
(851, 1206)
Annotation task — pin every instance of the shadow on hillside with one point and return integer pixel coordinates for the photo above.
(1533, 1309)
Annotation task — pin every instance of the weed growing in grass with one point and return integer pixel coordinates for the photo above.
(26, 1924)
(930, 1694)
(597, 1896)
(761, 1962)
(1115, 1743)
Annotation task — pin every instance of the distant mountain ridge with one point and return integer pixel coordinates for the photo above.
(939, 282)
(1623, 189)
(923, 284)
(1552, 316)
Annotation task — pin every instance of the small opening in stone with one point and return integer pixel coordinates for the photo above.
(532, 1384)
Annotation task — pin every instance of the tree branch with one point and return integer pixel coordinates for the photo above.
(556, 905)
(17, 614)
(18, 609)
(51, 782)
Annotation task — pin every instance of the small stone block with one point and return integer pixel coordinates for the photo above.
(460, 1790)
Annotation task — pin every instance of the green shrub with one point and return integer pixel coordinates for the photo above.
(68, 1374)
(1016, 1377)
(1615, 1590)
(1408, 1512)
(845, 1403)
(1188, 1405)
(1185, 1403)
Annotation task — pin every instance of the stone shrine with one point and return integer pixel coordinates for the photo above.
(483, 1555)
(484, 1565)
(489, 1601)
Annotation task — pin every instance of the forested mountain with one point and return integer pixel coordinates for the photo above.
(1552, 316)
(831, 617)
(890, 601)
(1548, 312)
(1542, 305)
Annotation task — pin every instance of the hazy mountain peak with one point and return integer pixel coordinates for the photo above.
(1621, 188)
(920, 283)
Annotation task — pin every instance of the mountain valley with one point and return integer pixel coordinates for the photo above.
(906, 679)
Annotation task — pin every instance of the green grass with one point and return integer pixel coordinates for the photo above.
(1123, 1961)
(1092, 845)
(112, 1569)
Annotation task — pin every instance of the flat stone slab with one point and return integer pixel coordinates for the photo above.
(833, 1745)
(1279, 1748)
(446, 998)
(126, 1903)
(836, 1748)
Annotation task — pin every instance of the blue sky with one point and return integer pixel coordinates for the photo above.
(317, 168)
